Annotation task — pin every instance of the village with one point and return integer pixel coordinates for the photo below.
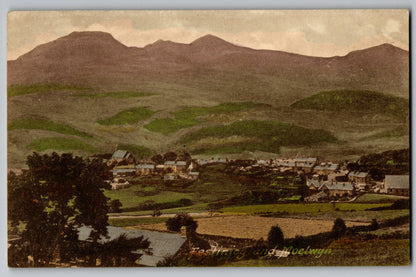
(326, 181)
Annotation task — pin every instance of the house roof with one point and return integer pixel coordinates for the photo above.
(121, 154)
(162, 244)
(316, 183)
(145, 166)
(397, 181)
(339, 186)
(358, 174)
(180, 163)
(169, 163)
(326, 166)
(306, 160)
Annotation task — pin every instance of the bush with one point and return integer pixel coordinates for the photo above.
(115, 206)
(339, 228)
(175, 223)
(275, 237)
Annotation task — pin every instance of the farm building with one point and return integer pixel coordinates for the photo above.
(326, 168)
(120, 156)
(145, 169)
(119, 183)
(338, 189)
(314, 185)
(124, 171)
(358, 177)
(397, 184)
(316, 197)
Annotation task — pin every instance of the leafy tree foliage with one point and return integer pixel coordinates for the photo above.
(275, 237)
(339, 228)
(393, 162)
(115, 206)
(175, 223)
(52, 199)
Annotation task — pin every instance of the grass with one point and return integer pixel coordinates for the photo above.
(356, 100)
(139, 152)
(115, 94)
(126, 117)
(374, 197)
(271, 135)
(31, 123)
(123, 222)
(301, 208)
(130, 198)
(61, 143)
(373, 252)
(15, 90)
(187, 117)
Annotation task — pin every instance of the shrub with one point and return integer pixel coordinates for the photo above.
(175, 223)
(275, 237)
(339, 228)
(115, 206)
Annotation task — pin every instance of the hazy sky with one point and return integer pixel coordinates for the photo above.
(309, 32)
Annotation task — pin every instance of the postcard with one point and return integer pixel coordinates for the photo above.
(174, 138)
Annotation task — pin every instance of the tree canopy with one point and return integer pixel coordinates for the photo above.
(54, 197)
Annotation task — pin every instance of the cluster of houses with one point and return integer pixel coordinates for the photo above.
(125, 165)
(325, 180)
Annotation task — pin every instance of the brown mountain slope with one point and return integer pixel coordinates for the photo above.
(210, 66)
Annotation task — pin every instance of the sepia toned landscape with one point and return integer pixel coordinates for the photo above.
(208, 138)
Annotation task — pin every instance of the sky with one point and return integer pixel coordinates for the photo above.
(322, 33)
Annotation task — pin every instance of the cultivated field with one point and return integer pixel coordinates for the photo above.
(255, 227)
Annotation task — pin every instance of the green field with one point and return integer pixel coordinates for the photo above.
(134, 196)
(31, 123)
(271, 135)
(126, 117)
(61, 143)
(345, 252)
(356, 100)
(115, 94)
(15, 90)
(301, 208)
(374, 197)
(188, 117)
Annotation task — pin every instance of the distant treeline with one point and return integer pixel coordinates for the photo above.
(393, 162)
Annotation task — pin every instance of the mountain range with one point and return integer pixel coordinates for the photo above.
(97, 59)
(204, 96)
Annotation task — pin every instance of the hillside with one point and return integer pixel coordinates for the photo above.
(356, 100)
(86, 92)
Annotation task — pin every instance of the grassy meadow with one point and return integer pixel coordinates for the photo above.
(61, 143)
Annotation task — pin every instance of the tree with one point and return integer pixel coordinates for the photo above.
(175, 223)
(339, 228)
(158, 159)
(54, 197)
(115, 206)
(275, 237)
(170, 156)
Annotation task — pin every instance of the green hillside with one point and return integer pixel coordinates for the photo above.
(60, 143)
(267, 136)
(187, 117)
(31, 123)
(356, 100)
(130, 116)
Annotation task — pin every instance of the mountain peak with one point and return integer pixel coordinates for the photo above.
(211, 41)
